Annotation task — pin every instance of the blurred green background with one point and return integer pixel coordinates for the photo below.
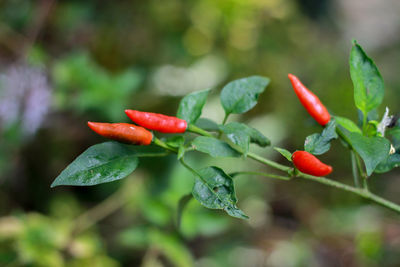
(63, 63)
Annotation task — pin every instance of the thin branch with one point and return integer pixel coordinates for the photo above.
(364, 123)
(354, 169)
(322, 180)
(360, 167)
(268, 162)
(155, 154)
(194, 129)
(160, 143)
(225, 118)
(223, 123)
(270, 175)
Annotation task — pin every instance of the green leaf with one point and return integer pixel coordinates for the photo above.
(372, 115)
(191, 106)
(367, 81)
(241, 134)
(215, 190)
(284, 153)
(175, 141)
(237, 136)
(207, 124)
(181, 152)
(318, 144)
(393, 161)
(372, 150)
(241, 95)
(257, 137)
(101, 163)
(372, 129)
(349, 125)
(179, 143)
(214, 147)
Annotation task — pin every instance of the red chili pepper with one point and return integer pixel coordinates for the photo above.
(308, 163)
(157, 122)
(310, 101)
(123, 132)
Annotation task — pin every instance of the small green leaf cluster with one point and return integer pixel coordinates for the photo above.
(374, 147)
(369, 140)
(213, 188)
(364, 138)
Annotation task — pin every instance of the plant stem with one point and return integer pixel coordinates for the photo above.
(195, 173)
(343, 136)
(355, 162)
(328, 182)
(225, 118)
(194, 129)
(360, 168)
(365, 184)
(256, 157)
(381, 201)
(270, 175)
(354, 169)
(358, 191)
(198, 175)
(364, 124)
(160, 143)
(361, 192)
(223, 123)
(155, 154)
(268, 162)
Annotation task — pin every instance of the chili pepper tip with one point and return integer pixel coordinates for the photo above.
(91, 124)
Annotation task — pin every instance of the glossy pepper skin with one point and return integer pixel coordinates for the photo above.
(310, 101)
(157, 122)
(308, 163)
(123, 132)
